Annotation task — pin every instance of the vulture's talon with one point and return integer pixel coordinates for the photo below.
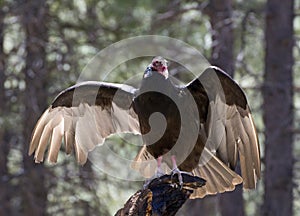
(179, 173)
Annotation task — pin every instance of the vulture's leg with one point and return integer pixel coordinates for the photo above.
(158, 173)
(175, 170)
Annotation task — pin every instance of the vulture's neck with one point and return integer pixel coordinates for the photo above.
(157, 82)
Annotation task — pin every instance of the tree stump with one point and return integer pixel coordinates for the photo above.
(163, 196)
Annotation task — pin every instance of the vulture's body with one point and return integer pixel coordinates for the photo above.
(206, 125)
(148, 102)
(162, 132)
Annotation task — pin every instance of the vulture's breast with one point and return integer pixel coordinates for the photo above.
(157, 109)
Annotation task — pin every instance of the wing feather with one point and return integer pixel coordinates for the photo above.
(46, 135)
(56, 139)
(83, 116)
(69, 140)
(230, 132)
(38, 130)
(69, 129)
(231, 150)
(81, 155)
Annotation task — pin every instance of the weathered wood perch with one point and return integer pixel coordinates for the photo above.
(163, 196)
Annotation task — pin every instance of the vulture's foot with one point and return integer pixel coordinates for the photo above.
(176, 171)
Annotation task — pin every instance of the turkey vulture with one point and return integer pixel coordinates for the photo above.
(204, 127)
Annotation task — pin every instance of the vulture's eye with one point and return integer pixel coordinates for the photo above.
(157, 63)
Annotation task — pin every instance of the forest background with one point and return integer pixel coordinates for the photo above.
(44, 46)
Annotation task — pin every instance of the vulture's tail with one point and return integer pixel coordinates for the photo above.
(219, 177)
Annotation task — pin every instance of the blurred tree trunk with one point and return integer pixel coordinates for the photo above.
(5, 187)
(222, 55)
(34, 21)
(198, 207)
(278, 108)
(220, 15)
(87, 181)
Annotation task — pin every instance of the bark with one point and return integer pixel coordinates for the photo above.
(34, 21)
(163, 196)
(278, 108)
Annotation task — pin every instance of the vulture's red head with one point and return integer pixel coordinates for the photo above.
(158, 65)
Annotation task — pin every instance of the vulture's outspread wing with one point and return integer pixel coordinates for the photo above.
(83, 116)
(230, 132)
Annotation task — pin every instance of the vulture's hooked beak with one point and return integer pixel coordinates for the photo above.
(148, 72)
